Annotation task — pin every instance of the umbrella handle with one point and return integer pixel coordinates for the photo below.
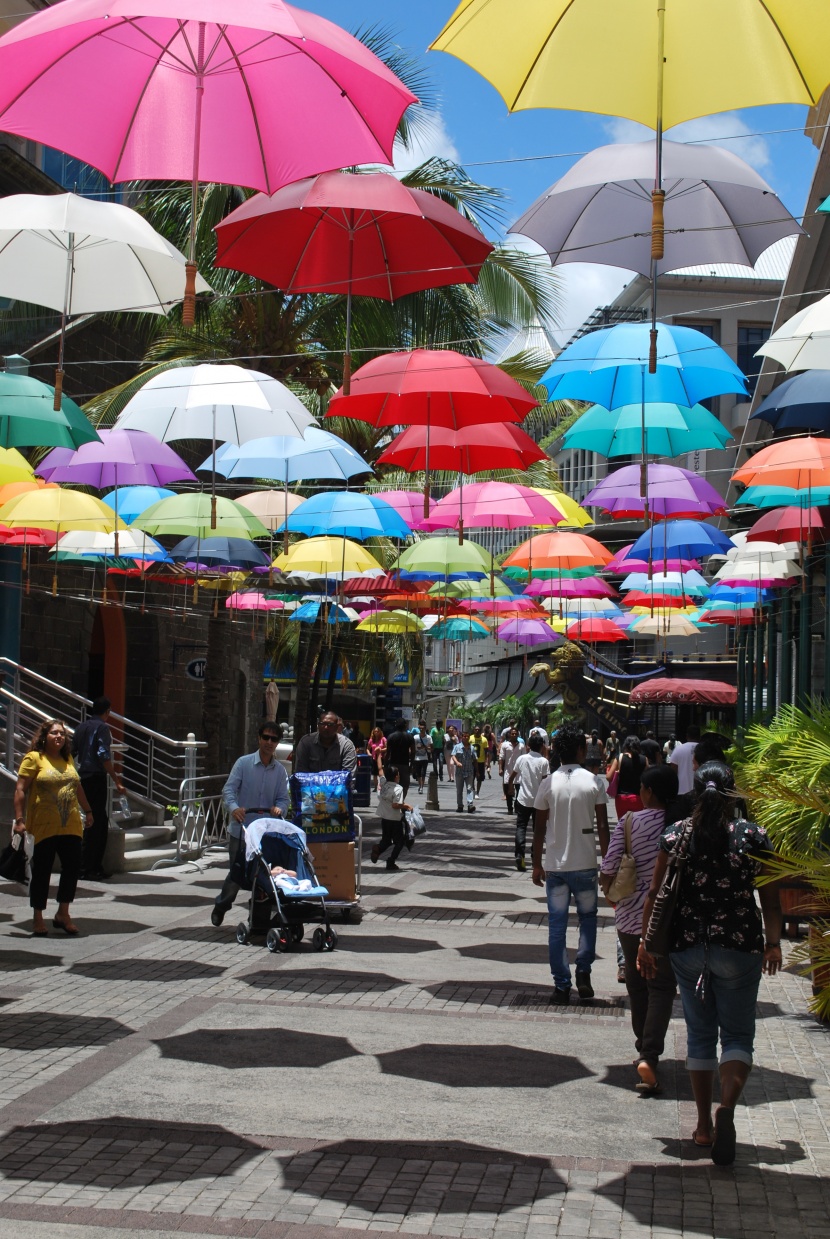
(56, 404)
(658, 199)
(189, 305)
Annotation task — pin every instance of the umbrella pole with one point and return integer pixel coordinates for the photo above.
(285, 513)
(67, 305)
(116, 512)
(55, 568)
(213, 476)
(658, 196)
(460, 509)
(189, 305)
(347, 359)
(426, 475)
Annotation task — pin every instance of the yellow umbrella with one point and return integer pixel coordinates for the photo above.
(329, 557)
(391, 621)
(573, 516)
(14, 467)
(60, 510)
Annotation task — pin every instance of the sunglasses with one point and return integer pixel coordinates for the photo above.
(270, 739)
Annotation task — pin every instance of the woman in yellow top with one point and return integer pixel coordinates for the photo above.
(49, 788)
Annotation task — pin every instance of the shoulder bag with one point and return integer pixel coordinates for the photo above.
(657, 935)
(613, 783)
(625, 879)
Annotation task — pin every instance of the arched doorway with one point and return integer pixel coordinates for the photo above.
(108, 656)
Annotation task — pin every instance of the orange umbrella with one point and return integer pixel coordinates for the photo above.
(12, 489)
(561, 550)
(799, 463)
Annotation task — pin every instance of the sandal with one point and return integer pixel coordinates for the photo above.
(702, 1144)
(723, 1146)
(67, 927)
(648, 1082)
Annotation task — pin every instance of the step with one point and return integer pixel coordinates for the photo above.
(141, 859)
(132, 822)
(138, 837)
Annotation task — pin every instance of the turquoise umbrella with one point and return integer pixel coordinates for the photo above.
(784, 497)
(670, 430)
(456, 628)
(28, 417)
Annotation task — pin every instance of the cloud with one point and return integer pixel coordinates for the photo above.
(431, 140)
(726, 130)
(585, 286)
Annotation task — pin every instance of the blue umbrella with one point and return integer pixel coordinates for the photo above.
(220, 551)
(133, 500)
(672, 583)
(309, 611)
(740, 595)
(799, 403)
(680, 540)
(458, 629)
(345, 514)
(318, 454)
(610, 368)
(785, 497)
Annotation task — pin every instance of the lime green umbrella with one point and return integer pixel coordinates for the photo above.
(514, 573)
(191, 515)
(28, 417)
(470, 589)
(391, 621)
(442, 558)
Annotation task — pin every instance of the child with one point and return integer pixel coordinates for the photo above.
(391, 806)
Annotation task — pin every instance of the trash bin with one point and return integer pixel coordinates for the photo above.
(362, 791)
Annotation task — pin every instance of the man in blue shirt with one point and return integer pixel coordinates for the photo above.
(92, 750)
(256, 786)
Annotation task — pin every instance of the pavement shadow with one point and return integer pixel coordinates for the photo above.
(467, 896)
(512, 952)
(258, 1048)
(674, 1079)
(387, 944)
(200, 933)
(489, 993)
(96, 927)
(130, 1154)
(332, 980)
(161, 970)
(766, 1085)
(164, 901)
(787, 1153)
(50, 1030)
(21, 961)
(483, 1066)
(490, 1180)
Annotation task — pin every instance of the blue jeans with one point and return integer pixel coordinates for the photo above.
(582, 884)
(729, 996)
(464, 783)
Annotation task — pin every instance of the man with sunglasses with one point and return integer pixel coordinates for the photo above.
(325, 749)
(256, 787)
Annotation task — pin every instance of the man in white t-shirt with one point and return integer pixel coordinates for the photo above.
(509, 753)
(566, 805)
(682, 756)
(529, 770)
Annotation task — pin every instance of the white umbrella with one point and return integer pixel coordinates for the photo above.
(226, 404)
(80, 256)
(131, 544)
(803, 343)
(669, 624)
(271, 506)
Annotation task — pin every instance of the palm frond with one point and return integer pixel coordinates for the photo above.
(414, 73)
(482, 205)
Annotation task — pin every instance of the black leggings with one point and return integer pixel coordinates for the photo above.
(68, 848)
(394, 836)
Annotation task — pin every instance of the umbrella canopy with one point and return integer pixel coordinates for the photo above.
(682, 539)
(443, 558)
(716, 209)
(611, 368)
(622, 563)
(225, 403)
(228, 90)
(349, 515)
(271, 506)
(28, 417)
(198, 516)
(650, 599)
(744, 617)
(367, 234)
(252, 600)
(378, 587)
(785, 497)
(391, 621)
(558, 550)
(122, 544)
(667, 582)
(499, 505)
(12, 489)
(310, 612)
(799, 403)
(668, 689)
(220, 551)
(472, 449)
(790, 525)
(573, 515)
(585, 587)
(459, 629)
(58, 510)
(605, 607)
(286, 458)
(467, 589)
(328, 557)
(528, 632)
(595, 631)
(803, 342)
(672, 492)
(408, 504)
(670, 430)
(127, 457)
(500, 606)
(435, 387)
(14, 467)
(131, 501)
(798, 463)
(667, 624)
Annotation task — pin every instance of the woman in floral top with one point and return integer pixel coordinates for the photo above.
(718, 947)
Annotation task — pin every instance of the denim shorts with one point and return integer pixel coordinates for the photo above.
(727, 1005)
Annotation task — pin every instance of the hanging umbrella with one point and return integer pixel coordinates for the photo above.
(470, 449)
(471, 589)
(717, 209)
(349, 515)
(28, 417)
(220, 551)
(199, 516)
(595, 631)
(573, 515)
(122, 543)
(623, 562)
(326, 557)
(378, 586)
(271, 506)
(12, 489)
(682, 539)
(14, 467)
(129, 457)
(799, 403)
(670, 430)
(443, 558)
(528, 632)
(679, 583)
(130, 501)
(459, 629)
(80, 256)
(60, 510)
(491, 505)
(500, 606)
(650, 599)
(316, 454)
(604, 607)
(790, 525)
(366, 234)
(310, 612)
(802, 342)
(799, 463)
(672, 492)
(745, 617)
(186, 94)
(669, 624)
(408, 504)
(389, 622)
(785, 497)
(252, 600)
(584, 587)
(559, 551)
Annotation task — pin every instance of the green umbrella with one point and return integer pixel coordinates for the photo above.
(514, 573)
(190, 514)
(28, 418)
(443, 558)
(471, 589)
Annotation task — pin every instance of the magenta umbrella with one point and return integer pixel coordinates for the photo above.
(408, 504)
(491, 505)
(673, 493)
(621, 564)
(174, 90)
(571, 587)
(252, 600)
(528, 632)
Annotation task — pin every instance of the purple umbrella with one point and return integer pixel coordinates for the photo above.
(673, 493)
(528, 632)
(121, 458)
(571, 587)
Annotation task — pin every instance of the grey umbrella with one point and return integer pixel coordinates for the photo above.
(717, 209)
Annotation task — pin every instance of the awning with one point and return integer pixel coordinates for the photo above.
(698, 692)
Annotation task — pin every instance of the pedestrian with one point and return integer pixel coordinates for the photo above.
(630, 766)
(391, 808)
(480, 745)
(612, 747)
(92, 751)
(436, 735)
(257, 786)
(719, 946)
(682, 756)
(450, 741)
(511, 749)
(651, 997)
(527, 775)
(566, 806)
(464, 763)
(423, 750)
(538, 730)
(651, 751)
(48, 802)
(377, 752)
(325, 748)
(400, 751)
(492, 749)
(594, 753)
(669, 746)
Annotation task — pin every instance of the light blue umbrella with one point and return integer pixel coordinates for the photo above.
(456, 628)
(676, 583)
(133, 500)
(318, 454)
(670, 430)
(309, 611)
(345, 514)
(784, 497)
(610, 368)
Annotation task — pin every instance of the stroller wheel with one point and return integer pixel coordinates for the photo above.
(277, 940)
(242, 933)
(318, 940)
(330, 939)
(297, 932)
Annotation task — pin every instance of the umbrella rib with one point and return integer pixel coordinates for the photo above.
(792, 58)
(538, 56)
(128, 130)
(254, 118)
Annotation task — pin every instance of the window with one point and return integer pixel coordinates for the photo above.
(750, 338)
(712, 330)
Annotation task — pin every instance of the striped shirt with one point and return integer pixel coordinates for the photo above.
(647, 826)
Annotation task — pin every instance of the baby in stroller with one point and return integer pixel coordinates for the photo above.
(285, 895)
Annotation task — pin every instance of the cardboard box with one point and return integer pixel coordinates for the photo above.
(334, 866)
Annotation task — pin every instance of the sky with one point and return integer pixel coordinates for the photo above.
(525, 152)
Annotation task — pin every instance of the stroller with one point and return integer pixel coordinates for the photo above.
(280, 906)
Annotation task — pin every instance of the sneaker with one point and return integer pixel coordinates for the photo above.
(520, 864)
(583, 985)
(375, 854)
(621, 974)
(561, 997)
(391, 867)
(217, 916)
(471, 808)
(460, 809)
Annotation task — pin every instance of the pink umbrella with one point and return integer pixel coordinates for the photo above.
(408, 504)
(495, 606)
(252, 600)
(491, 505)
(528, 632)
(621, 564)
(166, 90)
(571, 587)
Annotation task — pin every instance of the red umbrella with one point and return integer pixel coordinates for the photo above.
(595, 631)
(703, 692)
(368, 235)
(641, 598)
(378, 587)
(472, 449)
(789, 525)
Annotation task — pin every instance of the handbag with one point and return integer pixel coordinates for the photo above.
(656, 940)
(13, 860)
(625, 879)
(614, 783)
